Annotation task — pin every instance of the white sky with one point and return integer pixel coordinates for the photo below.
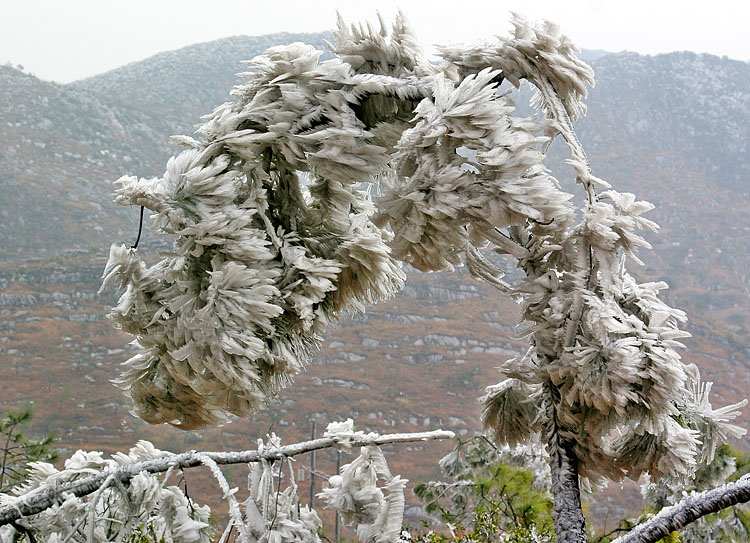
(65, 40)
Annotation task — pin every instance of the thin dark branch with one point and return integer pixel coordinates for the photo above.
(140, 230)
(278, 492)
(183, 480)
(25, 531)
(608, 535)
(314, 472)
(489, 442)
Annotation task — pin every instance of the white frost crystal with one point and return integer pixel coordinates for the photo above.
(343, 433)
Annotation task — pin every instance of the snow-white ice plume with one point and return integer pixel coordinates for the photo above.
(376, 512)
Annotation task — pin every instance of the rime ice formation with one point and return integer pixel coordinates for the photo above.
(261, 264)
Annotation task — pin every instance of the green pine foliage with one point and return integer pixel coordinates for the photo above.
(17, 450)
(485, 527)
(144, 534)
(491, 493)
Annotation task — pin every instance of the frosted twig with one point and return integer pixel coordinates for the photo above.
(227, 531)
(94, 503)
(691, 508)
(234, 506)
(131, 511)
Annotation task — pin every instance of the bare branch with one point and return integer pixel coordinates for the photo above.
(92, 507)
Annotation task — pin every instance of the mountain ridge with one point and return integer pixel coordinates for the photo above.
(213, 60)
(655, 124)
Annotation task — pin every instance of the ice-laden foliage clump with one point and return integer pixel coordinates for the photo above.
(260, 266)
(376, 513)
(121, 506)
(145, 506)
(602, 369)
(272, 515)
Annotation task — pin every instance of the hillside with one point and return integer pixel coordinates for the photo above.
(56, 146)
(674, 129)
(185, 84)
(671, 128)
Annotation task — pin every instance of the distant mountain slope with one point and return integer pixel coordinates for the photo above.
(185, 84)
(696, 107)
(671, 128)
(674, 129)
(61, 146)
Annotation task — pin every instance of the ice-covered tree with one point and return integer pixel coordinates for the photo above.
(304, 195)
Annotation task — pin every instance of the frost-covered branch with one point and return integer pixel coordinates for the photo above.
(690, 509)
(45, 495)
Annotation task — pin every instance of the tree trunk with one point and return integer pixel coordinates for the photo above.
(569, 523)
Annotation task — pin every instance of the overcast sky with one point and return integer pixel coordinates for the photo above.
(68, 40)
